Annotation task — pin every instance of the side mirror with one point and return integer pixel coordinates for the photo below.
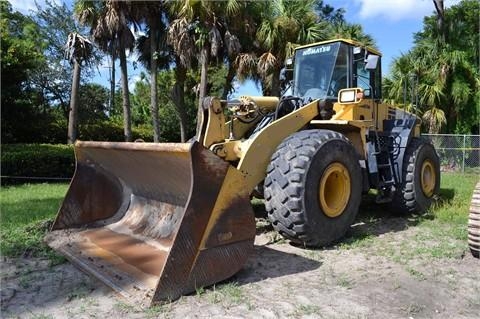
(371, 62)
(289, 69)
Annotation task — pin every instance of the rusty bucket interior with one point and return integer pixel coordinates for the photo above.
(154, 221)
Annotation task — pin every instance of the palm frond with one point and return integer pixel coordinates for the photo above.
(232, 43)
(460, 91)
(182, 41)
(78, 48)
(266, 63)
(86, 12)
(430, 94)
(245, 64)
(232, 7)
(215, 40)
(435, 118)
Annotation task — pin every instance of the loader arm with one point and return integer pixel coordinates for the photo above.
(257, 151)
(253, 153)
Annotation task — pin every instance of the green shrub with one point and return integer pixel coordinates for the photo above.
(112, 132)
(56, 133)
(37, 160)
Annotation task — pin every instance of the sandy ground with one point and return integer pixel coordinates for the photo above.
(279, 281)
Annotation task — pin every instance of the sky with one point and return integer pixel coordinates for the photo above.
(392, 24)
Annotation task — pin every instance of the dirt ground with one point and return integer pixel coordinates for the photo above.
(368, 278)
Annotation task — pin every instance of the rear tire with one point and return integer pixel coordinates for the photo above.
(313, 187)
(420, 178)
(474, 223)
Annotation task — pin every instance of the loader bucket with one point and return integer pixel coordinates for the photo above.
(154, 221)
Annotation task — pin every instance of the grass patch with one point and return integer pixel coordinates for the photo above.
(27, 212)
(126, 308)
(455, 195)
(415, 273)
(442, 230)
(344, 281)
(306, 310)
(157, 311)
(229, 294)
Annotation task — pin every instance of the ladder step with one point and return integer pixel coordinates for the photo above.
(383, 165)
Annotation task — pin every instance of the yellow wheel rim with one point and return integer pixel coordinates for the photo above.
(428, 178)
(334, 191)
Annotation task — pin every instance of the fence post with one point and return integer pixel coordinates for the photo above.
(463, 152)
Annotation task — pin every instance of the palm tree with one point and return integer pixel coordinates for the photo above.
(239, 50)
(353, 31)
(287, 24)
(177, 94)
(396, 87)
(116, 21)
(445, 59)
(78, 51)
(110, 27)
(440, 9)
(198, 27)
(88, 13)
(449, 71)
(151, 12)
(184, 51)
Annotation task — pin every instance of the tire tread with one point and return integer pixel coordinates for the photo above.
(284, 189)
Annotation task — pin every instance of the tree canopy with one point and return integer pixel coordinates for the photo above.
(190, 49)
(445, 60)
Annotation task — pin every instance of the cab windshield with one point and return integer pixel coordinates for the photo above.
(320, 71)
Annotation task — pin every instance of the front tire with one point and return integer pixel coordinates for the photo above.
(313, 187)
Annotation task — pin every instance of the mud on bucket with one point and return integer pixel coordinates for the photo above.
(154, 221)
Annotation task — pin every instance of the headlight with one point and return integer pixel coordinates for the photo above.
(353, 95)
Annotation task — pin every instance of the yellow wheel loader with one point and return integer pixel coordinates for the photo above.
(155, 221)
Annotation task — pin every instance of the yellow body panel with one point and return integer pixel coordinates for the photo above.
(230, 150)
(215, 124)
(353, 112)
(368, 110)
(257, 151)
(239, 129)
(355, 131)
(264, 102)
(349, 41)
(232, 188)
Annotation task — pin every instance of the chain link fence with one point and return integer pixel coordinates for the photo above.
(458, 153)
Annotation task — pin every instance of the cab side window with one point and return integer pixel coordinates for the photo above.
(367, 79)
(362, 76)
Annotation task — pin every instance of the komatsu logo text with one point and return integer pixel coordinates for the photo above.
(316, 50)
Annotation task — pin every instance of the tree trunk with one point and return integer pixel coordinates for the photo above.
(73, 112)
(153, 79)
(204, 60)
(452, 117)
(440, 8)
(178, 97)
(127, 119)
(227, 87)
(275, 91)
(112, 81)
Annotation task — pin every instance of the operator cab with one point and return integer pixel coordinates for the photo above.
(321, 70)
